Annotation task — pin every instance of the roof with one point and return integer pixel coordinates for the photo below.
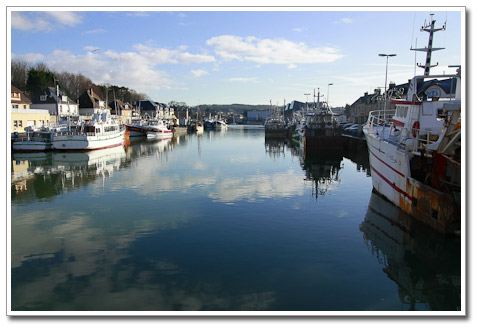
(90, 99)
(23, 98)
(50, 92)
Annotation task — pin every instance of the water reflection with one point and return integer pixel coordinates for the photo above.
(357, 151)
(209, 222)
(424, 265)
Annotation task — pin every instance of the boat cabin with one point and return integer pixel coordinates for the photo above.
(423, 111)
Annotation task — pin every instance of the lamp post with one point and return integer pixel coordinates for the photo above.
(307, 94)
(386, 78)
(328, 96)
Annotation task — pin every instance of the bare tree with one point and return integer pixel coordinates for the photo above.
(20, 73)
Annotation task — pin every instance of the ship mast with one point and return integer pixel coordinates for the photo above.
(430, 28)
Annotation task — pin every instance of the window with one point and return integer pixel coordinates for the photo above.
(20, 123)
(43, 97)
(15, 123)
(15, 106)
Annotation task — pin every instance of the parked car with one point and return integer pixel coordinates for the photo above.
(346, 125)
(353, 129)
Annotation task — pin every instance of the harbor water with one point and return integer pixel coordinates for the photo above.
(222, 221)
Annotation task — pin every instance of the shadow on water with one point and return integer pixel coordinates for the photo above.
(424, 264)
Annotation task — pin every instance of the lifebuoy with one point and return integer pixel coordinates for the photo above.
(415, 128)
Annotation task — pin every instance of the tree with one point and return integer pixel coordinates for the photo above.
(38, 81)
(19, 73)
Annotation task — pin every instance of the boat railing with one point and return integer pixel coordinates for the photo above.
(380, 118)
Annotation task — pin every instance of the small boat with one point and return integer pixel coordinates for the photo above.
(100, 133)
(157, 130)
(215, 124)
(37, 139)
(415, 149)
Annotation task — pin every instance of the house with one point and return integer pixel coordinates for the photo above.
(22, 115)
(56, 102)
(148, 108)
(124, 110)
(18, 99)
(359, 110)
(91, 102)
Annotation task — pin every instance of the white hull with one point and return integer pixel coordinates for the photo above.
(159, 135)
(87, 142)
(389, 169)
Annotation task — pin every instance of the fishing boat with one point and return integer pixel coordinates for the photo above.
(37, 139)
(415, 150)
(156, 129)
(136, 127)
(99, 133)
(275, 125)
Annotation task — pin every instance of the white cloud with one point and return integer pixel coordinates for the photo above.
(344, 21)
(199, 72)
(44, 21)
(271, 51)
(138, 14)
(65, 17)
(162, 56)
(21, 22)
(95, 31)
(135, 69)
(299, 29)
(243, 79)
(29, 57)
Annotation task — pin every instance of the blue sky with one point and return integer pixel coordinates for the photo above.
(212, 56)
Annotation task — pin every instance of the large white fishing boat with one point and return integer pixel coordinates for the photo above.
(415, 150)
(99, 133)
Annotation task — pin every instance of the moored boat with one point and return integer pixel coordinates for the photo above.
(36, 140)
(136, 128)
(157, 129)
(99, 133)
(415, 150)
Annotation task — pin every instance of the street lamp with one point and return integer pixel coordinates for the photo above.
(328, 96)
(307, 94)
(386, 79)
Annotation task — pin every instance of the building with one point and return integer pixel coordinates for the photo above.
(56, 102)
(90, 103)
(258, 115)
(18, 99)
(124, 110)
(22, 115)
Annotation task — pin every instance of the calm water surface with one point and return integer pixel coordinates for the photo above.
(225, 220)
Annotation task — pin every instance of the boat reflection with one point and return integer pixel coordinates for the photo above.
(45, 175)
(322, 168)
(425, 265)
(275, 147)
